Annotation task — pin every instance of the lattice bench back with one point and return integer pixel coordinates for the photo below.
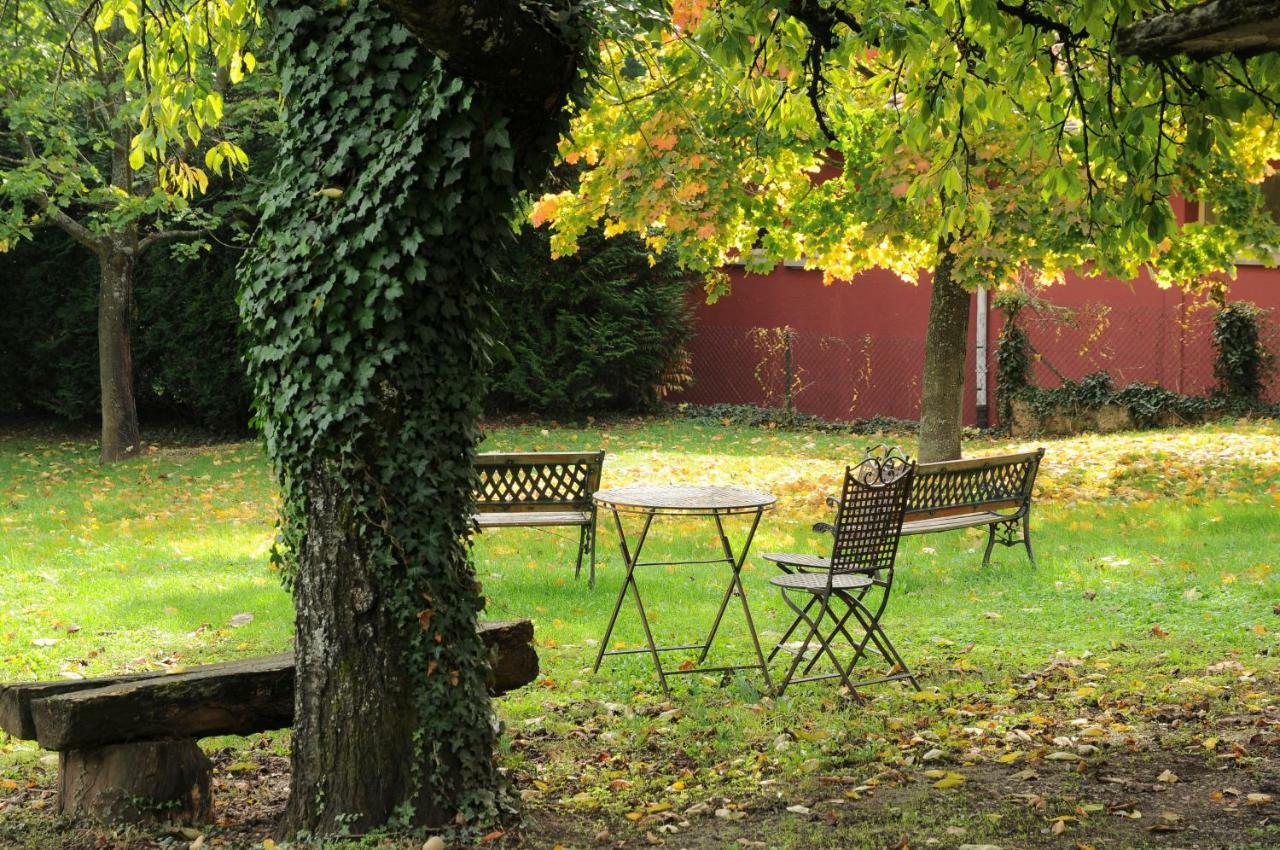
(962, 486)
(537, 481)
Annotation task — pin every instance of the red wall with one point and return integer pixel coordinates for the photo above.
(857, 348)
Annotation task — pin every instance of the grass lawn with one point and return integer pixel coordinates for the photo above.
(1055, 700)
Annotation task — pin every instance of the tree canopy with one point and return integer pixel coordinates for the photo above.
(982, 142)
(857, 135)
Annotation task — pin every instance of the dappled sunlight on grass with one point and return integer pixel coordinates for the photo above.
(1156, 596)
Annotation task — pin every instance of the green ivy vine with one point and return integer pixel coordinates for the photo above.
(366, 301)
(1242, 358)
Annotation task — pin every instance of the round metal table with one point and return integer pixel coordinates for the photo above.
(650, 501)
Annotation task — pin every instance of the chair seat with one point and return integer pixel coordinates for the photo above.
(804, 562)
(533, 518)
(817, 582)
(947, 523)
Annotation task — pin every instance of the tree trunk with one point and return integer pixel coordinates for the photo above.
(368, 309)
(120, 435)
(944, 348)
(354, 710)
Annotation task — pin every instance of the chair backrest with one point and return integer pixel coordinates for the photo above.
(988, 483)
(513, 482)
(869, 520)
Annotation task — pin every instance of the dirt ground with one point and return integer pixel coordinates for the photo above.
(1136, 799)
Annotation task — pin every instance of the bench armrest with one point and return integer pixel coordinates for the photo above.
(833, 502)
(824, 527)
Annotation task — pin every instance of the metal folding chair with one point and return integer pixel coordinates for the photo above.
(867, 527)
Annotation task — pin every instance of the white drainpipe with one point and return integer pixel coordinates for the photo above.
(980, 360)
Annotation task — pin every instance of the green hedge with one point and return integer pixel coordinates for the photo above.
(186, 346)
(599, 331)
(592, 333)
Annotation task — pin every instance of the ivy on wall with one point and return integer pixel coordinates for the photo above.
(1243, 358)
(1241, 365)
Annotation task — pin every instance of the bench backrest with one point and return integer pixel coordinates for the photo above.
(985, 483)
(512, 482)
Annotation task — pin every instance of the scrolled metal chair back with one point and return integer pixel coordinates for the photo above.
(869, 521)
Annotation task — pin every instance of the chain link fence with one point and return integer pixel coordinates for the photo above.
(879, 375)
(833, 377)
(1171, 346)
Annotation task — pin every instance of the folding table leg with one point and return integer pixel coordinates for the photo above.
(630, 562)
(735, 563)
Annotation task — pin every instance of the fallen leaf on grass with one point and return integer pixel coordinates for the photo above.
(951, 780)
(1168, 777)
(240, 620)
(1258, 799)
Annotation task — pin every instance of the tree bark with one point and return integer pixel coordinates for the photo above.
(1242, 27)
(946, 340)
(354, 713)
(121, 437)
(369, 313)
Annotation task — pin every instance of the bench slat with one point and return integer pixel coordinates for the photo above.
(949, 523)
(964, 510)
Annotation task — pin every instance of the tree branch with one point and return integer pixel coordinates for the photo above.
(73, 228)
(821, 22)
(1038, 20)
(167, 236)
(1242, 27)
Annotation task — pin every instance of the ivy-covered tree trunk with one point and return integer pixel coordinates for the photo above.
(365, 296)
(946, 339)
(121, 437)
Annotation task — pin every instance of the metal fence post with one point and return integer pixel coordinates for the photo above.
(787, 334)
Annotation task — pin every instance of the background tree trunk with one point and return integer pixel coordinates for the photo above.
(120, 435)
(946, 340)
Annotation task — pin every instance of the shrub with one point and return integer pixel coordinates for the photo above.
(49, 329)
(1243, 359)
(602, 330)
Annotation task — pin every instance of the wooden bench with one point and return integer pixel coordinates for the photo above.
(990, 491)
(541, 489)
(127, 744)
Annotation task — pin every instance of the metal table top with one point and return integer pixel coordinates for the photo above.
(687, 499)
